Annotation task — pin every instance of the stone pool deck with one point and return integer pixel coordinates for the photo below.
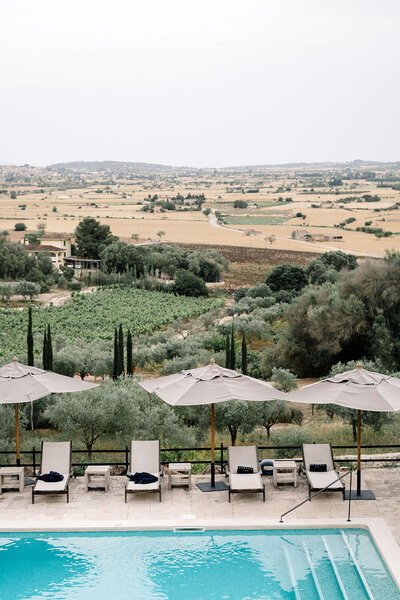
(180, 506)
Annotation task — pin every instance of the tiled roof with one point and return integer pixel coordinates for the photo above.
(56, 236)
(42, 248)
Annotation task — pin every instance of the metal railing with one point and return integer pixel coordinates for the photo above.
(31, 458)
(320, 492)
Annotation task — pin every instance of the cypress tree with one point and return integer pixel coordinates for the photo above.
(120, 351)
(227, 352)
(244, 355)
(115, 367)
(233, 356)
(45, 350)
(29, 338)
(49, 350)
(129, 357)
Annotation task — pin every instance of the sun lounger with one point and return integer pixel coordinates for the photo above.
(315, 455)
(145, 458)
(55, 456)
(244, 456)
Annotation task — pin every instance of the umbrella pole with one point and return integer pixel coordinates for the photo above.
(359, 453)
(212, 486)
(17, 433)
(212, 445)
(359, 494)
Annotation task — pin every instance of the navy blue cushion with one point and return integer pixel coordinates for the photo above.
(243, 470)
(318, 468)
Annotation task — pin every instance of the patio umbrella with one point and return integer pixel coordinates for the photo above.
(359, 389)
(210, 385)
(21, 383)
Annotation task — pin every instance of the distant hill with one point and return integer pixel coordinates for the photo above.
(110, 166)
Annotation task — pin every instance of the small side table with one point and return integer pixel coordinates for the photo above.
(15, 478)
(97, 476)
(284, 471)
(179, 474)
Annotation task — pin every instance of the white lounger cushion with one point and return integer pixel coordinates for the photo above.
(131, 486)
(321, 480)
(52, 486)
(245, 481)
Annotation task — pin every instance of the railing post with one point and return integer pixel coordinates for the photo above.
(34, 460)
(349, 514)
(222, 457)
(126, 458)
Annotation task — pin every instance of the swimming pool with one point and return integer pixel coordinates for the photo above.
(302, 564)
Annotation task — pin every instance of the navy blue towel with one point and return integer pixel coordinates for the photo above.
(143, 478)
(51, 477)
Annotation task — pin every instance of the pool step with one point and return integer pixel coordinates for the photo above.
(335, 569)
(313, 572)
(291, 573)
(358, 568)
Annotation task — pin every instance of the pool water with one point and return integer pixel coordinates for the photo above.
(319, 564)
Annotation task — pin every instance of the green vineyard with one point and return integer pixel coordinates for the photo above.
(91, 316)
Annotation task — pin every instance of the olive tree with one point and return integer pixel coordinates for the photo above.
(236, 416)
(271, 413)
(6, 292)
(284, 380)
(116, 408)
(27, 288)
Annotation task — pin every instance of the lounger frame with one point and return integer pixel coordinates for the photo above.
(144, 491)
(341, 490)
(65, 491)
(243, 490)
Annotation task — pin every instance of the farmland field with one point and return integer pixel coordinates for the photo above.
(274, 200)
(249, 266)
(256, 220)
(91, 316)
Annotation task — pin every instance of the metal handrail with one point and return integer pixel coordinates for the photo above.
(320, 492)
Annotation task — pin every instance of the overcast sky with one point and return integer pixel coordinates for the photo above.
(199, 82)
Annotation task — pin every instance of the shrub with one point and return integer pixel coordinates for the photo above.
(19, 227)
(240, 204)
(188, 284)
(291, 278)
(260, 290)
(240, 293)
(284, 297)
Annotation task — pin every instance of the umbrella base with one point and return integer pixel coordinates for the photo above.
(363, 495)
(219, 486)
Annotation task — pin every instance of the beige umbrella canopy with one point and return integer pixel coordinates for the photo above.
(21, 383)
(358, 389)
(210, 385)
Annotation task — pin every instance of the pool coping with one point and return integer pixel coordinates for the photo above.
(378, 529)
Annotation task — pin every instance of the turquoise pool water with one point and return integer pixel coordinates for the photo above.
(327, 564)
